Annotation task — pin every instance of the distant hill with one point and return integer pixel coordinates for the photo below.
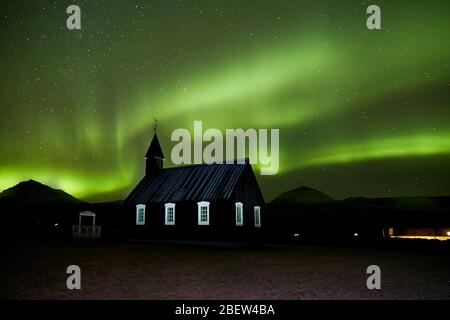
(400, 204)
(32, 193)
(37, 210)
(303, 195)
(312, 213)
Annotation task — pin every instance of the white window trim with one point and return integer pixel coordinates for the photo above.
(200, 205)
(140, 206)
(257, 211)
(240, 206)
(167, 206)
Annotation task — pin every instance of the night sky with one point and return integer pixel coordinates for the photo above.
(360, 112)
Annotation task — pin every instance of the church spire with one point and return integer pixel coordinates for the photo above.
(154, 156)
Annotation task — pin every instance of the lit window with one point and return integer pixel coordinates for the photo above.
(239, 214)
(140, 214)
(203, 213)
(170, 214)
(257, 211)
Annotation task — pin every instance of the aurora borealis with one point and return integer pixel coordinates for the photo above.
(360, 112)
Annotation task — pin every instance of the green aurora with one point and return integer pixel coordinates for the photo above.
(360, 112)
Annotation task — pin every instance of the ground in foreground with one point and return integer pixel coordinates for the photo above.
(157, 271)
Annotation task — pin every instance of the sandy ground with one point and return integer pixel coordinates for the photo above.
(157, 271)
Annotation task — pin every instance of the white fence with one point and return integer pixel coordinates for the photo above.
(86, 231)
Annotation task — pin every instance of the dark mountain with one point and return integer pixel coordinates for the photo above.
(32, 193)
(35, 209)
(305, 196)
(42, 211)
(402, 203)
(315, 215)
(302, 195)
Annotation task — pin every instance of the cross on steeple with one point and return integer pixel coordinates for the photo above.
(156, 120)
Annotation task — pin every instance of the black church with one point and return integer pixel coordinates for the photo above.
(195, 202)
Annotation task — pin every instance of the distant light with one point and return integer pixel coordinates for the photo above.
(448, 233)
(442, 238)
(56, 224)
(356, 235)
(296, 235)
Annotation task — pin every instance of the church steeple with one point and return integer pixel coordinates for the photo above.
(154, 156)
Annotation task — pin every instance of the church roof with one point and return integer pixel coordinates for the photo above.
(188, 183)
(154, 150)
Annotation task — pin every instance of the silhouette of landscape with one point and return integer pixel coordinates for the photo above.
(309, 251)
(45, 212)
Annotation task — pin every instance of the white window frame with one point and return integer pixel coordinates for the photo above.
(201, 205)
(138, 207)
(257, 213)
(239, 206)
(166, 215)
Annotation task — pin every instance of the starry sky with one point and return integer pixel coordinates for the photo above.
(360, 112)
